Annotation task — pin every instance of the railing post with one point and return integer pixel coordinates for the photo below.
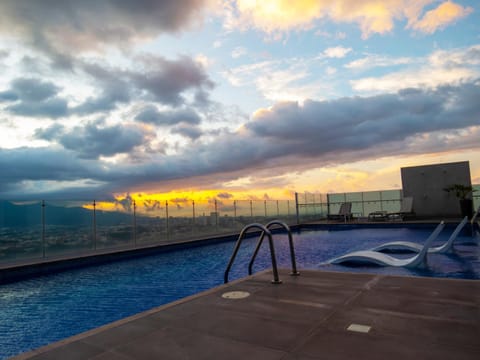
(193, 214)
(296, 208)
(167, 220)
(328, 204)
(265, 207)
(216, 215)
(251, 210)
(363, 204)
(381, 201)
(94, 226)
(134, 223)
(43, 228)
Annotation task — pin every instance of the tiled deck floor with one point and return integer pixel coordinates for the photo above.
(304, 318)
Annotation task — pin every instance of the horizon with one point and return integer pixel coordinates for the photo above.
(209, 99)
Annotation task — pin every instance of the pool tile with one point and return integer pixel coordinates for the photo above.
(173, 343)
(78, 350)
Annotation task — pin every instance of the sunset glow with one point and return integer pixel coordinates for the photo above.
(208, 101)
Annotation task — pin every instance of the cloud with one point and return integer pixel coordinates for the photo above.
(239, 51)
(33, 89)
(151, 115)
(336, 52)
(356, 127)
(189, 131)
(8, 95)
(65, 25)
(375, 60)
(167, 80)
(373, 17)
(445, 14)
(278, 80)
(34, 98)
(96, 139)
(411, 121)
(440, 68)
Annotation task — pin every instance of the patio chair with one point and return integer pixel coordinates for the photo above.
(344, 213)
(475, 215)
(415, 247)
(378, 258)
(406, 210)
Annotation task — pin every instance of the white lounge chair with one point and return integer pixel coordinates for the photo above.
(415, 247)
(344, 213)
(378, 258)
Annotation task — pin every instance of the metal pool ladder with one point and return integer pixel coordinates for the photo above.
(265, 231)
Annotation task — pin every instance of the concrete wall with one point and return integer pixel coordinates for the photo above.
(426, 183)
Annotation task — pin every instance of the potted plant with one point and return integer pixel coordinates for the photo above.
(463, 192)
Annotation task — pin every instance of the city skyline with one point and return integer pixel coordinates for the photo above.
(233, 99)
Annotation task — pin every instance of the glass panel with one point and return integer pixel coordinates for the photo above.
(476, 196)
(180, 219)
(115, 226)
(336, 199)
(206, 218)
(371, 196)
(151, 224)
(68, 227)
(353, 197)
(391, 195)
(226, 213)
(258, 210)
(20, 230)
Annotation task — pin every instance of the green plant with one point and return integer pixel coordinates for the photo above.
(460, 191)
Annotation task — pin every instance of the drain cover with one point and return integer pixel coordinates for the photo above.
(359, 328)
(235, 295)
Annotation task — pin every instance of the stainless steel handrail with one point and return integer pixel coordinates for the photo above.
(275, 280)
(290, 241)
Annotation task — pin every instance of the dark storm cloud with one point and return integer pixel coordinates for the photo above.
(95, 139)
(59, 26)
(151, 115)
(284, 138)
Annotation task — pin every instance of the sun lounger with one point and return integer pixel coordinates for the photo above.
(344, 213)
(415, 247)
(378, 258)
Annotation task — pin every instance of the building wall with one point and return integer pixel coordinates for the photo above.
(426, 183)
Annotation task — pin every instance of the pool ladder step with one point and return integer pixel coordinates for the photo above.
(265, 232)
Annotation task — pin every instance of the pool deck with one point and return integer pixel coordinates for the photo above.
(305, 317)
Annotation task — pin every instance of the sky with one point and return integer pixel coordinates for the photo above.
(236, 98)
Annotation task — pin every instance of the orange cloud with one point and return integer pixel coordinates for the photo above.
(372, 16)
(443, 15)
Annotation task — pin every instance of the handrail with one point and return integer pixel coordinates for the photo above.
(290, 241)
(237, 247)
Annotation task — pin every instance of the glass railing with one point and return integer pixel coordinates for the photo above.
(44, 229)
(318, 206)
(50, 229)
(476, 196)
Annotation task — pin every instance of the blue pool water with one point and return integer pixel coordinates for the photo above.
(45, 309)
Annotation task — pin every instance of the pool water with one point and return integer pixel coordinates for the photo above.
(49, 308)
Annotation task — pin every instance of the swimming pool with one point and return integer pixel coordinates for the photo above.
(48, 308)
